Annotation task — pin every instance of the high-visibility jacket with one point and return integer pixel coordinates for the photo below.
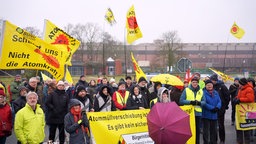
(191, 96)
(120, 100)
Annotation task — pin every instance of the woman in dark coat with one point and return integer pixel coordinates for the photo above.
(76, 123)
(136, 100)
(103, 100)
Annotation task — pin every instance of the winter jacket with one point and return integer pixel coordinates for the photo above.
(57, 105)
(120, 98)
(246, 94)
(5, 120)
(104, 102)
(224, 96)
(19, 103)
(29, 125)
(75, 137)
(15, 89)
(185, 101)
(134, 102)
(209, 103)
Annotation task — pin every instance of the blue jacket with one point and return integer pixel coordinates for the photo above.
(210, 102)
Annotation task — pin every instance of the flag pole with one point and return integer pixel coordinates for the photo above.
(125, 67)
(225, 55)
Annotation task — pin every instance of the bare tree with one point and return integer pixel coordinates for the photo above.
(169, 45)
(34, 31)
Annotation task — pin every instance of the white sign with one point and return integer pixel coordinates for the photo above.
(138, 138)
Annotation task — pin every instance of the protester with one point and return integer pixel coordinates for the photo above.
(85, 102)
(5, 118)
(113, 85)
(223, 91)
(143, 89)
(163, 96)
(192, 95)
(136, 100)
(120, 96)
(245, 95)
(103, 100)
(29, 122)
(20, 102)
(211, 104)
(186, 83)
(57, 105)
(201, 82)
(14, 87)
(68, 89)
(233, 89)
(39, 89)
(76, 123)
(81, 82)
(155, 86)
(128, 83)
(92, 89)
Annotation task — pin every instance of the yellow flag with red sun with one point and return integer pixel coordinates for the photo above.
(138, 71)
(236, 31)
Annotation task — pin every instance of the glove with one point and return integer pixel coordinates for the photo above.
(80, 121)
(215, 110)
(193, 102)
(198, 103)
(236, 101)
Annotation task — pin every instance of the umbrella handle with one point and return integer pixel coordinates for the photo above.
(162, 128)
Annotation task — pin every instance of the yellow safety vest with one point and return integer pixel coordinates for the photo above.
(191, 97)
(122, 101)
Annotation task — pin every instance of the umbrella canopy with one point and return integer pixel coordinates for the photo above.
(167, 123)
(167, 79)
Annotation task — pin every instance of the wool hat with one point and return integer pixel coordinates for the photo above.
(2, 92)
(208, 81)
(243, 81)
(214, 77)
(73, 102)
(82, 76)
(141, 79)
(237, 78)
(112, 80)
(80, 88)
(60, 83)
(121, 83)
(195, 79)
(23, 87)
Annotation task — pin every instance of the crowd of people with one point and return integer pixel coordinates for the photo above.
(63, 106)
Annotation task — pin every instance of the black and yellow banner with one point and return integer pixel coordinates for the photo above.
(246, 116)
(22, 50)
(108, 127)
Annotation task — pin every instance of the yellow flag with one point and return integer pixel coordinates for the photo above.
(138, 71)
(222, 75)
(22, 50)
(56, 36)
(45, 77)
(133, 30)
(68, 77)
(109, 16)
(236, 31)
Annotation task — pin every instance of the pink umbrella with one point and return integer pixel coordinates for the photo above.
(168, 124)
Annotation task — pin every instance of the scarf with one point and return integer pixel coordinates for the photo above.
(77, 116)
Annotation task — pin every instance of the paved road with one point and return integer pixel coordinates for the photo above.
(230, 132)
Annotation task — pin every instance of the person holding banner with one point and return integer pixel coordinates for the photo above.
(76, 123)
(136, 100)
(120, 96)
(245, 95)
(192, 95)
(211, 104)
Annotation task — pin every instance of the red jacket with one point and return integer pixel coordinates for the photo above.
(6, 119)
(246, 94)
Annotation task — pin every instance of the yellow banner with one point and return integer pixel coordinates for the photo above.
(133, 30)
(56, 36)
(222, 75)
(45, 77)
(68, 77)
(110, 126)
(246, 116)
(22, 50)
(138, 71)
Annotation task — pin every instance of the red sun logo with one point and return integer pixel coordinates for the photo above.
(132, 22)
(234, 29)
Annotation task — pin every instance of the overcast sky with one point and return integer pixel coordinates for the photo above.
(195, 21)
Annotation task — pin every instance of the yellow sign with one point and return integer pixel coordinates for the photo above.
(246, 116)
(56, 36)
(22, 50)
(108, 127)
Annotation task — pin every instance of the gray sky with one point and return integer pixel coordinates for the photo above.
(195, 20)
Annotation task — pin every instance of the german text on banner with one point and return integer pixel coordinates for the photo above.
(56, 36)
(109, 127)
(109, 16)
(246, 116)
(133, 30)
(236, 31)
(22, 50)
(138, 71)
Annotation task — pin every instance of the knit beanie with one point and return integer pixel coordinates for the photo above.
(243, 81)
(142, 79)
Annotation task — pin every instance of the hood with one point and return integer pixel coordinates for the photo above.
(73, 102)
(160, 92)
